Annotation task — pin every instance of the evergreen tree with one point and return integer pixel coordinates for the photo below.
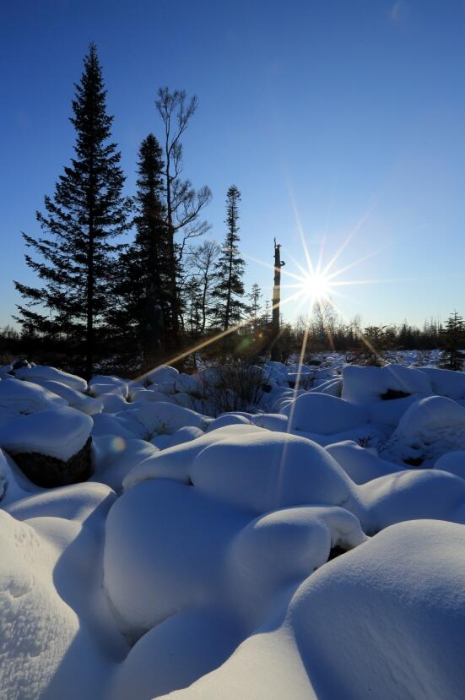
(145, 305)
(453, 356)
(229, 289)
(255, 305)
(88, 210)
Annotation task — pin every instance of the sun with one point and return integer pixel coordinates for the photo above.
(315, 286)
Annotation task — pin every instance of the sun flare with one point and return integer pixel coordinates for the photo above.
(316, 286)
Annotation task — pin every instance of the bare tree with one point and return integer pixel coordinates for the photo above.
(183, 203)
(201, 261)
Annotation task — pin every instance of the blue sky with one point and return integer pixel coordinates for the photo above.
(347, 116)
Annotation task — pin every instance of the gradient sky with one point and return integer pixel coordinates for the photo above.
(333, 118)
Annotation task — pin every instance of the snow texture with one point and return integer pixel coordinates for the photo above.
(314, 549)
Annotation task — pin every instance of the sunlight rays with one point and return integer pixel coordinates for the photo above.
(309, 286)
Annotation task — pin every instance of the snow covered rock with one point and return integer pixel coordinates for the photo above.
(429, 428)
(52, 447)
(324, 414)
(158, 418)
(446, 382)
(384, 621)
(391, 612)
(361, 464)
(103, 384)
(363, 385)
(74, 398)
(45, 373)
(265, 471)
(162, 374)
(20, 398)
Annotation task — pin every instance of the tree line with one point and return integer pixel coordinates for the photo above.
(142, 301)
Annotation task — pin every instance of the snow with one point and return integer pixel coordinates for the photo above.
(59, 433)
(324, 414)
(312, 549)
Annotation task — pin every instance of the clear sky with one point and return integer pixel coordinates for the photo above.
(347, 116)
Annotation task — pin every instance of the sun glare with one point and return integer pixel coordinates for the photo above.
(316, 286)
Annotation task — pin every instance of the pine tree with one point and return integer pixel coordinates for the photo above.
(453, 356)
(145, 305)
(88, 210)
(255, 305)
(229, 290)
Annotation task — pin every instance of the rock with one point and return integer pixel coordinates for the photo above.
(50, 472)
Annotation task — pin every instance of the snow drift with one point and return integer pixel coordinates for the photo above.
(312, 549)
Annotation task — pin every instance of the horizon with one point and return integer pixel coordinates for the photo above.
(342, 126)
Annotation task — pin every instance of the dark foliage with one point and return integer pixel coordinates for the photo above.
(76, 258)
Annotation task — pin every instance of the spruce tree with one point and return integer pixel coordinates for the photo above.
(76, 258)
(229, 290)
(145, 308)
(453, 336)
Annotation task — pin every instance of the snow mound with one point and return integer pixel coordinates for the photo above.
(59, 433)
(363, 385)
(176, 462)
(324, 414)
(446, 383)
(410, 495)
(18, 398)
(74, 398)
(360, 464)
(164, 548)
(103, 384)
(265, 471)
(349, 625)
(428, 429)
(159, 418)
(162, 375)
(45, 373)
(53, 643)
(453, 462)
(400, 591)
